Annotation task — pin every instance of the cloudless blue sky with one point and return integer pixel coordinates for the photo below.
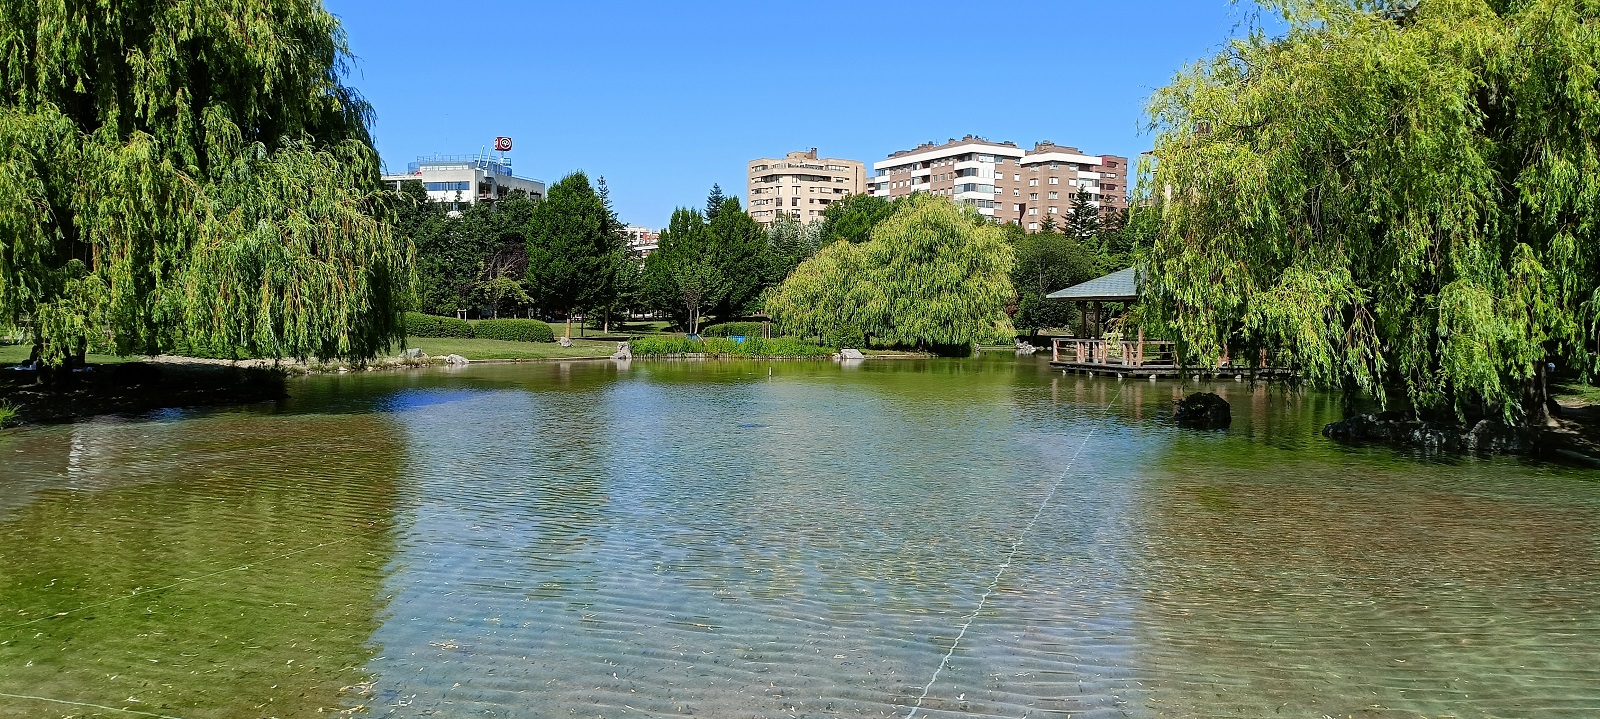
(665, 97)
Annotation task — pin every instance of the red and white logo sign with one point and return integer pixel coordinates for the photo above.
(502, 144)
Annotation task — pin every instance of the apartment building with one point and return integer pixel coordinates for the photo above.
(466, 179)
(1004, 181)
(801, 185)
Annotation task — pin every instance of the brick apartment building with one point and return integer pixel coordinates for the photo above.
(1004, 181)
(801, 184)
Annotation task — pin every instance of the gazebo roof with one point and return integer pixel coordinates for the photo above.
(1119, 286)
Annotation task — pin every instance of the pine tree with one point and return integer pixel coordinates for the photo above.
(714, 202)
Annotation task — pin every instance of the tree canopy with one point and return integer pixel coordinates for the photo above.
(1397, 194)
(575, 247)
(932, 275)
(682, 277)
(192, 172)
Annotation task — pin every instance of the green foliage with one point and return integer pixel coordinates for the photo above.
(852, 218)
(681, 277)
(7, 414)
(932, 275)
(478, 259)
(421, 325)
(575, 245)
(673, 346)
(738, 249)
(788, 244)
(1393, 199)
(513, 330)
(1046, 262)
(733, 329)
(190, 173)
(714, 201)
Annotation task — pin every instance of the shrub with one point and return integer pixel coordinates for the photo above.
(733, 329)
(723, 347)
(514, 330)
(7, 413)
(421, 325)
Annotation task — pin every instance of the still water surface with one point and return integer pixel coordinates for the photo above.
(711, 540)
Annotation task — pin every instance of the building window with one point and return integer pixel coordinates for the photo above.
(1033, 182)
(1033, 225)
(1054, 195)
(1016, 177)
(1033, 196)
(794, 202)
(1055, 180)
(1033, 210)
(1016, 192)
(1053, 211)
(449, 186)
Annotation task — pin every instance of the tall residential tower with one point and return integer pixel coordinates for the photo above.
(801, 185)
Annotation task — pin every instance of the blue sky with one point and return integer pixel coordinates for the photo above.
(665, 97)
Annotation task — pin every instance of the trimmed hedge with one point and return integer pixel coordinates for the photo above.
(514, 330)
(669, 346)
(421, 325)
(732, 329)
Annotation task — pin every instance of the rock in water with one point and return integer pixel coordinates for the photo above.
(624, 352)
(456, 359)
(1203, 410)
(851, 354)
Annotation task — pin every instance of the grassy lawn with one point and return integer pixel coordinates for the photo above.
(1587, 394)
(17, 354)
(478, 349)
(473, 349)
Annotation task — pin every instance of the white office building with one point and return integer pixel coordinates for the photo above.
(466, 179)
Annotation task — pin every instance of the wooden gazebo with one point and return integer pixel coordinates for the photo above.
(1088, 351)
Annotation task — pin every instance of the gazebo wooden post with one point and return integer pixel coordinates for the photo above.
(1140, 354)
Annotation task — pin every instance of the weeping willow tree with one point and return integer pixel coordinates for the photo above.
(1402, 196)
(932, 275)
(189, 173)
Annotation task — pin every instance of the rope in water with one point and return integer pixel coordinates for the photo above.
(994, 584)
(91, 706)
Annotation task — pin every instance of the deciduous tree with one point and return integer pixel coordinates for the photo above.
(190, 172)
(932, 276)
(1399, 195)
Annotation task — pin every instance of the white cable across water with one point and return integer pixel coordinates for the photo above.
(91, 706)
(1006, 564)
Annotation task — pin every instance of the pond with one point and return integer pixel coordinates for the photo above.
(940, 538)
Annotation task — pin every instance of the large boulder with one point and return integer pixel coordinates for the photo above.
(624, 352)
(456, 360)
(1203, 410)
(851, 354)
(564, 341)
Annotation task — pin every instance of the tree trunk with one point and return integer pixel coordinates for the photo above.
(569, 324)
(1536, 399)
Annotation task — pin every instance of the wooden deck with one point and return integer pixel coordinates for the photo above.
(1154, 359)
